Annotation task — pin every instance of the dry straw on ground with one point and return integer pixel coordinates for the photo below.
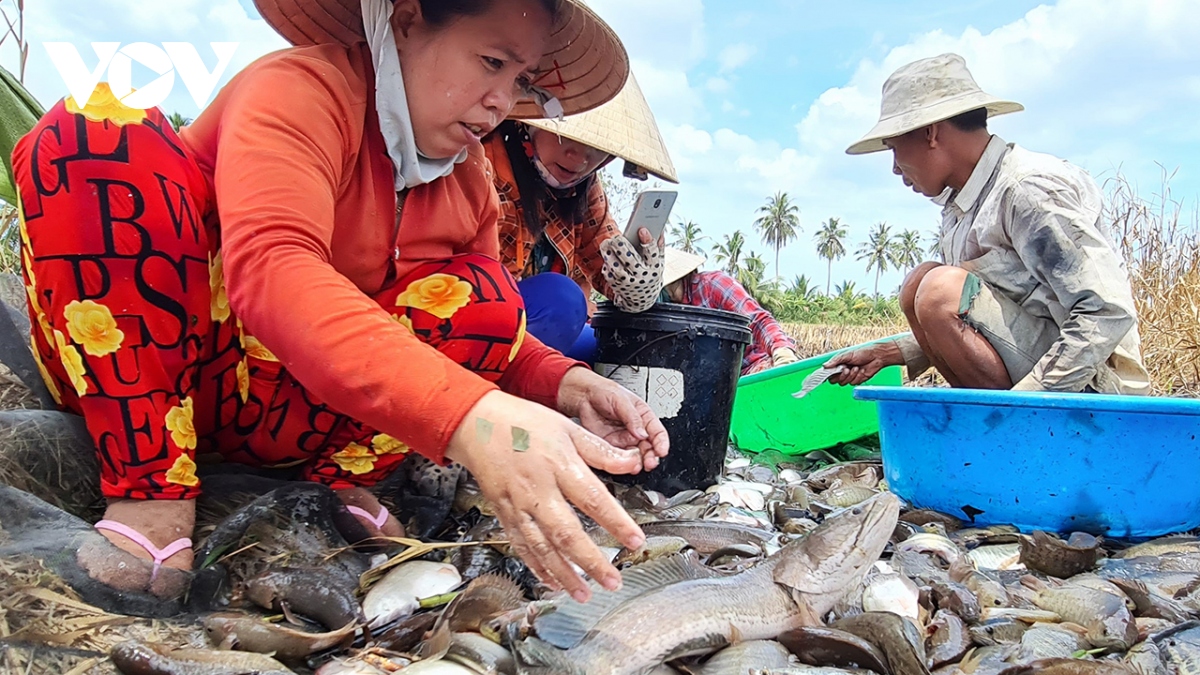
(814, 339)
(46, 629)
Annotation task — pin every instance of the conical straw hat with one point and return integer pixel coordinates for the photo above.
(623, 127)
(677, 264)
(585, 64)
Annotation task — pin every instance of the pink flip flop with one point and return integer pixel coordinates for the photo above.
(160, 555)
(377, 520)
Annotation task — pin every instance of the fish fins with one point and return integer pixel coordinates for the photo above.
(286, 608)
(535, 657)
(566, 622)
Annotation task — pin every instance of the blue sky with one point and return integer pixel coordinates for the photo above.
(755, 97)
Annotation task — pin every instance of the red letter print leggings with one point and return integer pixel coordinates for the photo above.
(133, 331)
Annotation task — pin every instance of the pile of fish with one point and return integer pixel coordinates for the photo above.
(771, 572)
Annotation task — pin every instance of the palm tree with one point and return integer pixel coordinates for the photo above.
(846, 289)
(802, 288)
(729, 252)
(830, 245)
(935, 244)
(879, 252)
(908, 250)
(687, 236)
(750, 274)
(779, 224)
(178, 121)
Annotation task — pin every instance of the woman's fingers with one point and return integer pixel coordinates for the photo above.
(520, 547)
(600, 454)
(539, 539)
(589, 495)
(628, 414)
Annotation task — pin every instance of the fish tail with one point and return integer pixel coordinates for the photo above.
(535, 657)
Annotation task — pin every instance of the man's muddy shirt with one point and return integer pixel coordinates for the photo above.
(1029, 225)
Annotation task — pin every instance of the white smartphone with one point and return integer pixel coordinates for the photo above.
(651, 211)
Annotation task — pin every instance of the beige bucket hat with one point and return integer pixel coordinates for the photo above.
(623, 127)
(678, 264)
(585, 64)
(924, 92)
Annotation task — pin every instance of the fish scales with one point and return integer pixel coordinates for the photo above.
(719, 611)
(792, 588)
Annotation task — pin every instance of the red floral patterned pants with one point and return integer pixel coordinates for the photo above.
(132, 328)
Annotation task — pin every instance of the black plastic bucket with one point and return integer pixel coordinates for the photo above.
(685, 362)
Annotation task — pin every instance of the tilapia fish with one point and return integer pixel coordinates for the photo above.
(623, 633)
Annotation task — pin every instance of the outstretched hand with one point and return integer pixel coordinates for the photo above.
(532, 464)
(615, 414)
(864, 363)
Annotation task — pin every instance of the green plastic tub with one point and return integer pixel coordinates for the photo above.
(766, 417)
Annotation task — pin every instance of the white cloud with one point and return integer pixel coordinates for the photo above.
(717, 85)
(735, 56)
(667, 33)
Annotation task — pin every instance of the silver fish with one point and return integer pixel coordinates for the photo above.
(622, 633)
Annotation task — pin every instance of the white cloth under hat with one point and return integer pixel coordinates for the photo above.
(925, 92)
(411, 168)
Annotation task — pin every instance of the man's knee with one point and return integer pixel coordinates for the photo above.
(939, 294)
(912, 282)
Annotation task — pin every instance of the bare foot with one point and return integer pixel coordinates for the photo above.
(363, 499)
(131, 567)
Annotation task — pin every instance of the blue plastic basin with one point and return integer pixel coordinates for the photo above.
(1123, 466)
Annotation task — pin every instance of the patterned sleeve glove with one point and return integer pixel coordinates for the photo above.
(634, 277)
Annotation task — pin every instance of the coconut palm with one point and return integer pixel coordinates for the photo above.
(752, 270)
(178, 121)
(846, 289)
(908, 250)
(831, 246)
(751, 275)
(687, 236)
(779, 223)
(802, 288)
(729, 252)
(935, 244)
(879, 252)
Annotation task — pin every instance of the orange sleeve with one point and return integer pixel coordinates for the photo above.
(287, 143)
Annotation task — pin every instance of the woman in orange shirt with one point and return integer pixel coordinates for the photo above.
(307, 276)
(557, 233)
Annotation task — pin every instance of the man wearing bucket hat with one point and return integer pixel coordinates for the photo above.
(557, 234)
(307, 279)
(1033, 296)
(683, 283)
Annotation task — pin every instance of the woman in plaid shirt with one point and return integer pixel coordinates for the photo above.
(683, 283)
(557, 234)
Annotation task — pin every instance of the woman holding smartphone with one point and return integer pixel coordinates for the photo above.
(557, 233)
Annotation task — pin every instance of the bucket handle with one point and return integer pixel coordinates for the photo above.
(691, 331)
